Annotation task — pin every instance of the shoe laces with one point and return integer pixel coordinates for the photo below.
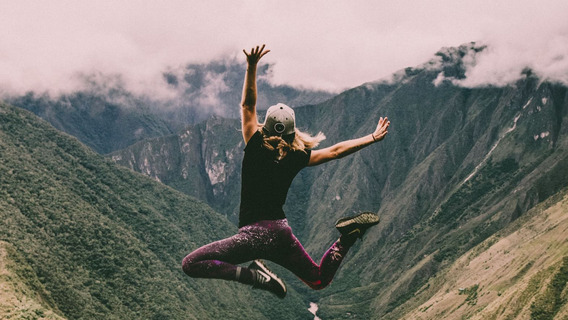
(261, 278)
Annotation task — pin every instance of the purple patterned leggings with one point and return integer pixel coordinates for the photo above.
(271, 240)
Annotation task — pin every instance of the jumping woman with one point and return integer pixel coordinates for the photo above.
(275, 152)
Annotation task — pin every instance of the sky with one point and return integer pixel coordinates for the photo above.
(330, 45)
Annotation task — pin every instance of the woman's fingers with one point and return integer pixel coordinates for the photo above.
(382, 129)
(265, 52)
(259, 51)
(256, 53)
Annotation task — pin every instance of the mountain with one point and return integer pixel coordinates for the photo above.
(215, 88)
(460, 169)
(103, 121)
(459, 165)
(82, 238)
(203, 161)
(107, 117)
(518, 273)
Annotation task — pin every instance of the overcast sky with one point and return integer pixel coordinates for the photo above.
(317, 44)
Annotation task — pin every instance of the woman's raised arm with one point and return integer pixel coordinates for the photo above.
(248, 102)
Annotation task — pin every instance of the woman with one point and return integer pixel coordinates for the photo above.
(275, 152)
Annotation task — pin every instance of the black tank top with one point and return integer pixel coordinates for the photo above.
(265, 181)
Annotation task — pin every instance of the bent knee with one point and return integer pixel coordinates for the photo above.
(187, 265)
(320, 286)
(317, 285)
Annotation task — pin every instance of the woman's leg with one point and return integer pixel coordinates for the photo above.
(219, 259)
(271, 240)
(292, 255)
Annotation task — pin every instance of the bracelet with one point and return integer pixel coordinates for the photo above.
(374, 140)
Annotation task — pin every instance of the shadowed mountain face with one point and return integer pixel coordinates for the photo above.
(104, 122)
(459, 166)
(82, 238)
(203, 161)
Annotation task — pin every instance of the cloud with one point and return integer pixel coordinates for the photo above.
(52, 45)
(536, 40)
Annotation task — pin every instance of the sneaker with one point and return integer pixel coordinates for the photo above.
(266, 280)
(357, 225)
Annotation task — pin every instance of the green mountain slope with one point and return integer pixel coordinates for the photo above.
(104, 242)
(103, 121)
(21, 294)
(459, 165)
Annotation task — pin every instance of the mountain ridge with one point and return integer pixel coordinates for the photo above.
(107, 117)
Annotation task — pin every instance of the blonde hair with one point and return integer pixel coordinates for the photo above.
(301, 142)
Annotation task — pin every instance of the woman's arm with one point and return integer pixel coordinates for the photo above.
(248, 102)
(348, 147)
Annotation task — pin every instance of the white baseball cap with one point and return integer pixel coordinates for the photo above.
(279, 121)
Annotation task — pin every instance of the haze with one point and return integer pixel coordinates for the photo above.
(331, 45)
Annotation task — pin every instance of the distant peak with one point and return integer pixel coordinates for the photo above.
(450, 62)
(456, 55)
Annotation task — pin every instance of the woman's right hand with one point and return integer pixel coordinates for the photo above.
(255, 54)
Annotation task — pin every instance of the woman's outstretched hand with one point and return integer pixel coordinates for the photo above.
(255, 54)
(382, 129)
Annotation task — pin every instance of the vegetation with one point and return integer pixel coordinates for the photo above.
(552, 299)
(471, 293)
(488, 179)
(105, 242)
(22, 296)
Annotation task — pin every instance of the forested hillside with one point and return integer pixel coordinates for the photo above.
(82, 238)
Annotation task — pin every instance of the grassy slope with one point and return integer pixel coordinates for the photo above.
(105, 242)
(511, 275)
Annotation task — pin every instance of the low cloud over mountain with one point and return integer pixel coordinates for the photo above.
(48, 46)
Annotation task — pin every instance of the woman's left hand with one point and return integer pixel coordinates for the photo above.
(382, 129)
